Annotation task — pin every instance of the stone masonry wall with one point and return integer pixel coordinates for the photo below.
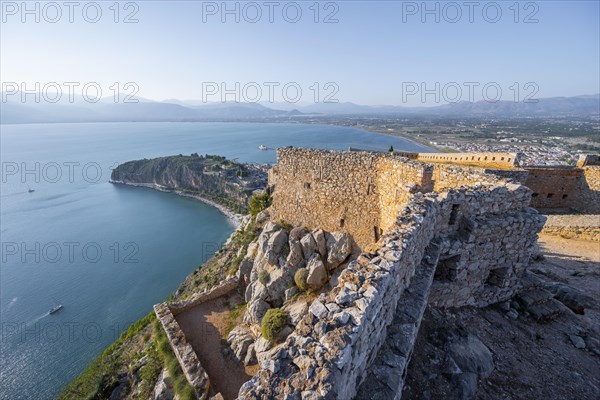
(355, 192)
(328, 354)
(587, 195)
(574, 226)
(188, 360)
(334, 344)
(446, 176)
(588, 159)
(222, 289)
(554, 188)
(487, 247)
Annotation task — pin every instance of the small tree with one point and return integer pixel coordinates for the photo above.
(300, 278)
(258, 203)
(391, 150)
(273, 323)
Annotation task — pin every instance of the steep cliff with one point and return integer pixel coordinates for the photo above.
(214, 178)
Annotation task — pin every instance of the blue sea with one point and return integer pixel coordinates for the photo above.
(108, 252)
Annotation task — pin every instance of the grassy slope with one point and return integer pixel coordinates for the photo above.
(141, 339)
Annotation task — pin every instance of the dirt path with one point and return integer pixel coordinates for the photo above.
(204, 327)
(582, 250)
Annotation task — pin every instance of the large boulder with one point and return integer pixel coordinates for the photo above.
(246, 268)
(317, 274)
(298, 233)
(295, 257)
(309, 246)
(280, 279)
(240, 339)
(256, 290)
(319, 237)
(276, 246)
(257, 309)
(339, 247)
(297, 310)
(471, 355)
(163, 389)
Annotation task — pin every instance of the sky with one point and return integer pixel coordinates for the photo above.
(366, 52)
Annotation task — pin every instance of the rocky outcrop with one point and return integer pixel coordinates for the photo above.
(269, 267)
(277, 256)
(163, 389)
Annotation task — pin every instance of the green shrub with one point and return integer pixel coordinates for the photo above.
(258, 203)
(300, 278)
(263, 277)
(273, 323)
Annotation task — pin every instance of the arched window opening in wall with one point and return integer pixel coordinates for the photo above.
(306, 185)
(342, 222)
(564, 196)
(550, 195)
(535, 195)
(453, 214)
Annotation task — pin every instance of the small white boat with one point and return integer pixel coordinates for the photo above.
(54, 309)
(263, 147)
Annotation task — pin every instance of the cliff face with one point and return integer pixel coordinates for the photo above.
(212, 177)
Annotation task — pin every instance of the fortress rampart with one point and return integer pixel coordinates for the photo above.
(426, 233)
(486, 160)
(556, 189)
(359, 192)
(485, 233)
(481, 224)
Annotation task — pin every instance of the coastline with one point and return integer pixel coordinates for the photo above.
(233, 217)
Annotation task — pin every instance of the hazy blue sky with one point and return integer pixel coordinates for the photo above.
(373, 49)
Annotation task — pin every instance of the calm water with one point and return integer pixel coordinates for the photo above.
(108, 252)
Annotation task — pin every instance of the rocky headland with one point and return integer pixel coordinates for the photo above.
(215, 180)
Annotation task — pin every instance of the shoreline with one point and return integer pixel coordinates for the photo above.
(234, 218)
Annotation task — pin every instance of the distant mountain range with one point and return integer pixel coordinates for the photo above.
(13, 111)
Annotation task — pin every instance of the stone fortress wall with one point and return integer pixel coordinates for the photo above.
(556, 189)
(482, 225)
(487, 160)
(448, 232)
(355, 192)
(485, 232)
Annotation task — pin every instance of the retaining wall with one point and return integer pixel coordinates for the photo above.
(574, 226)
(222, 289)
(189, 362)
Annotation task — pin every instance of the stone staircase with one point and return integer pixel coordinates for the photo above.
(385, 377)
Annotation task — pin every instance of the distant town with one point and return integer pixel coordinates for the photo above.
(542, 140)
